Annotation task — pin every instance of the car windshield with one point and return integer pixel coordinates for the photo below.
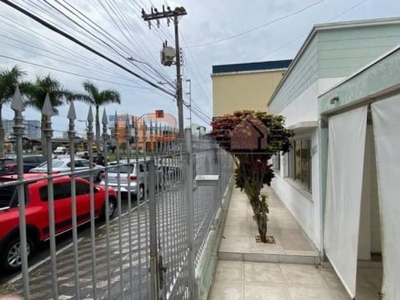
(55, 163)
(122, 169)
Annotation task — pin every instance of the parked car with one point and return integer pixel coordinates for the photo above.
(63, 165)
(135, 172)
(9, 165)
(61, 150)
(37, 212)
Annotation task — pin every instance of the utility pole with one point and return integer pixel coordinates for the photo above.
(190, 101)
(174, 16)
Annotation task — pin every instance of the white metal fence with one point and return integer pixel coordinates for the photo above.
(154, 217)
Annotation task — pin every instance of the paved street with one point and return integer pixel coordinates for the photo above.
(124, 268)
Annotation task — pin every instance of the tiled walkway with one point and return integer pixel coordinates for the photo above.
(289, 269)
(240, 230)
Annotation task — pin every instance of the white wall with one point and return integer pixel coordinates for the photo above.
(325, 84)
(304, 108)
(303, 205)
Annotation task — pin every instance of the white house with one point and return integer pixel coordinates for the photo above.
(363, 114)
(331, 189)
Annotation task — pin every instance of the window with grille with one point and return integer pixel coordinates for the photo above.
(299, 161)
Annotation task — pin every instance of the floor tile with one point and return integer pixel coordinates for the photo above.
(310, 293)
(229, 271)
(224, 290)
(307, 275)
(235, 231)
(239, 221)
(261, 291)
(366, 293)
(331, 278)
(340, 293)
(235, 244)
(262, 272)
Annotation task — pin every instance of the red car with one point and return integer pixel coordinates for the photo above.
(37, 212)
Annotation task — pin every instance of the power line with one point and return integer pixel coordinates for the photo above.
(305, 35)
(257, 27)
(76, 41)
(97, 38)
(72, 73)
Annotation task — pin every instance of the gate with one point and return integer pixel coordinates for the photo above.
(131, 224)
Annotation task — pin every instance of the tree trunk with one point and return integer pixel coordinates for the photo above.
(260, 210)
(2, 134)
(262, 219)
(98, 139)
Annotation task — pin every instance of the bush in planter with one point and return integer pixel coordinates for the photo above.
(253, 169)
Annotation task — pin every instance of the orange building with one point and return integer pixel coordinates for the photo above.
(150, 129)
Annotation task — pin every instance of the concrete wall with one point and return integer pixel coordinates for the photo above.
(243, 90)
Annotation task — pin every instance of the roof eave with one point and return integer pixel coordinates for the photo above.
(329, 26)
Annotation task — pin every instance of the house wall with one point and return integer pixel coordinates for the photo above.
(382, 77)
(302, 204)
(329, 58)
(342, 52)
(243, 90)
(306, 73)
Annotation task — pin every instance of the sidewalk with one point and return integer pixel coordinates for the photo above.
(289, 269)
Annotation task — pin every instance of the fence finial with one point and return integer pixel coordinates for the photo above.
(71, 111)
(47, 109)
(104, 119)
(90, 115)
(16, 103)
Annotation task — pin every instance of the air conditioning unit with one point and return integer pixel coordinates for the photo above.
(167, 56)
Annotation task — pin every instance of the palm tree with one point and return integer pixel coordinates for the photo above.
(9, 79)
(36, 93)
(99, 98)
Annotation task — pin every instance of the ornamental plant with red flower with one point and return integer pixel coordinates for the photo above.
(252, 167)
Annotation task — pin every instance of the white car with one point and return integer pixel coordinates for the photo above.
(132, 177)
(63, 165)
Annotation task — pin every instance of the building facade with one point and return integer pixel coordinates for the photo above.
(150, 130)
(245, 86)
(32, 128)
(325, 181)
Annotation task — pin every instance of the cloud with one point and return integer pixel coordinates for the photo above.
(129, 36)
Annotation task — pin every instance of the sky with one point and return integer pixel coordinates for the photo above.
(212, 33)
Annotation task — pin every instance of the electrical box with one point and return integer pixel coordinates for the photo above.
(167, 56)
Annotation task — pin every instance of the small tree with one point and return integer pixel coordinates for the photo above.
(252, 167)
(99, 98)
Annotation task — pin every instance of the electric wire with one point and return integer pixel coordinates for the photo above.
(257, 27)
(75, 40)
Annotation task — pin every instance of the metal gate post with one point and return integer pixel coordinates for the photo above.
(18, 106)
(107, 208)
(154, 267)
(71, 135)
(48, 112)
(190, 214)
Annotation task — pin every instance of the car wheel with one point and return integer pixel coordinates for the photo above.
(11, 258)
(141, 192)
(112, 206)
